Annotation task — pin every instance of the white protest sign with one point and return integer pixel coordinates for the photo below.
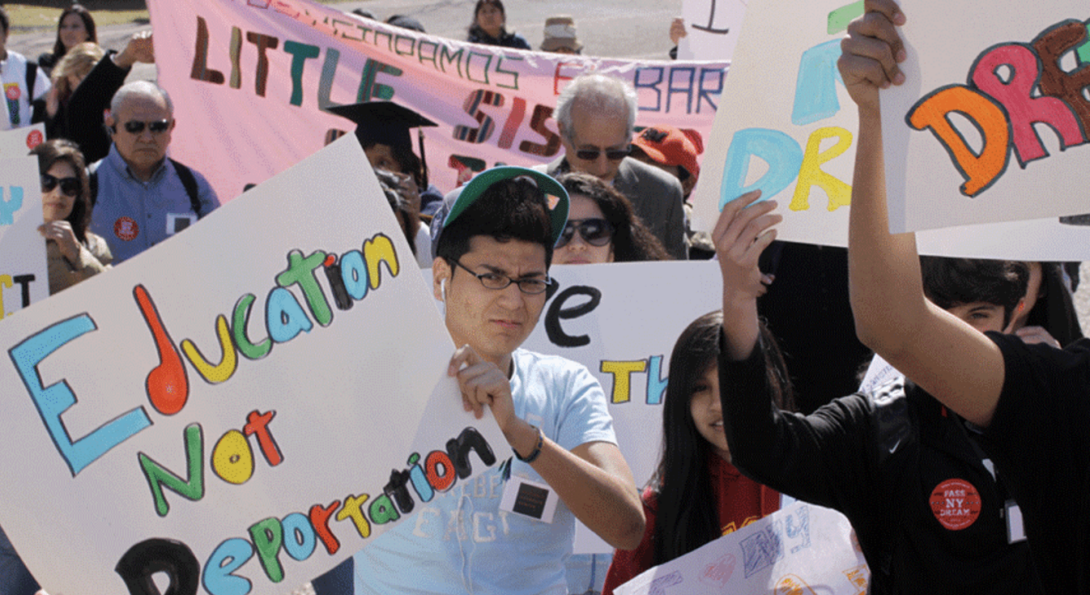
(712, 28)
(787, 126)
(802, 548)
(992, 122)
(621, 321)
(24, 278)
(18, 142)
(238, 401)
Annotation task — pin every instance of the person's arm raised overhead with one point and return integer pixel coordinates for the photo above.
(946, 357)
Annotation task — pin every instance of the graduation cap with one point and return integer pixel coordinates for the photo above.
(386, 123)
(382, 122)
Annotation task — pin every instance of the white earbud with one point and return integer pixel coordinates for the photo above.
(442, 290)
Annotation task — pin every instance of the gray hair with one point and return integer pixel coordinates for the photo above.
(600, 93)
(140, 89)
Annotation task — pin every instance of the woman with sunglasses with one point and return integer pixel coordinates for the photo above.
(602, 226)
(72, 253)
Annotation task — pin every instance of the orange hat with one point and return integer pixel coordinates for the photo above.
(671, 146)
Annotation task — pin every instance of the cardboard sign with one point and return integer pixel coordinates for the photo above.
(787, 127)
(802, 548)
(992, 122)
(23, 275)
(17, 142)
(712, 28)
(239, 401)
(621, 321)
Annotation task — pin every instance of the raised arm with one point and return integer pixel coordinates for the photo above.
(949, 359)
(742, 233)
(827, 457)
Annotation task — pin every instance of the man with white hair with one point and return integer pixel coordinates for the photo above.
(141, 197)
(595, 115)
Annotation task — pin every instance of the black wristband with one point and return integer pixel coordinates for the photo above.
(534, 454)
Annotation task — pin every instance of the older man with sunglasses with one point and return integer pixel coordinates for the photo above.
(595, 115)
(140, 196)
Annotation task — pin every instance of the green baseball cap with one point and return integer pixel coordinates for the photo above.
(458, 201)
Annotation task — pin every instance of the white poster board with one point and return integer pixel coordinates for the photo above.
(712, 28)
(19, 142)
(229, 401)
(787, 126)
(23, 275)
(992, 123)
(802, 548)
(622, 327)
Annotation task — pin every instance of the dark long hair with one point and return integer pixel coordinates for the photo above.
(688, 514)
(632, 241)
(474, 29)
(88, 23)
(51, 152)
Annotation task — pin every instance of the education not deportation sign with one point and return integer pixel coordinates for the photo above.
(787, 127)
(238, 404)
(250, 80)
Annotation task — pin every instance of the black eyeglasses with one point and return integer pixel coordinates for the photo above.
(136, 126)
(611, 154)
(530, 286)
(69, 186)
(596, 232)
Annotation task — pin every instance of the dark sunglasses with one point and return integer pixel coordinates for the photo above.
(136, 126)
(69, 186)
(611, 154)
(596, 232)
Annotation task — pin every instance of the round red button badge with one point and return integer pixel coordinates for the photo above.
(33, 139)
(13, 92)
(126, 229)
(955, 503)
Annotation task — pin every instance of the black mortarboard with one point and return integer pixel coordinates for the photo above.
(382, 122)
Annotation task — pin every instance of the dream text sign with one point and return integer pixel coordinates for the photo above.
(800, 549)
(787, 127)
(250, 80)
(993, 121)
(238, 402)
(23, 274)
(621, 321)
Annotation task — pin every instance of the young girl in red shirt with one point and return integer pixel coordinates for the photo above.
(696, 495)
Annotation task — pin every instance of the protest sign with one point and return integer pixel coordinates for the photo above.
(802, 548)
(17, 142)
(249, 82)
(787, 127)
(622, 328)
(236, 404)
(992, 123)
(23, 275)
(712, 28)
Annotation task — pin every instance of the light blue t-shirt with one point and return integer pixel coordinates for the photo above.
(461, 542)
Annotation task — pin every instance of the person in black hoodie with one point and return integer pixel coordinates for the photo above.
(930, 514)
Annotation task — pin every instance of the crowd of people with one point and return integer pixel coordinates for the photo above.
(989, 401)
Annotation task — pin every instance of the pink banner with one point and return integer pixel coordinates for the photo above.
(249, 79)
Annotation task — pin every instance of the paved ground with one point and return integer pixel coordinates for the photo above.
(615, 28)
